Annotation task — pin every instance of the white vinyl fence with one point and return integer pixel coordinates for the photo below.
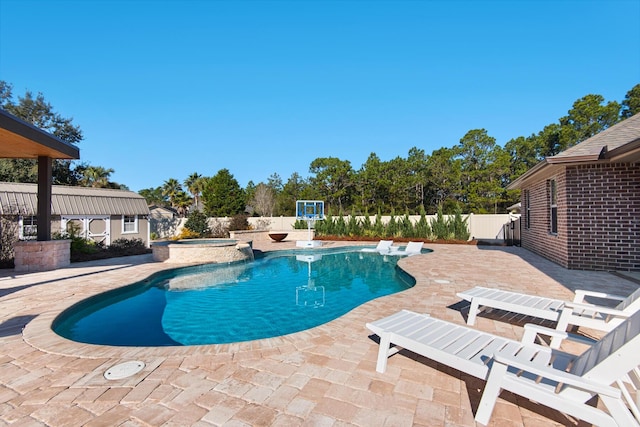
(481, 227)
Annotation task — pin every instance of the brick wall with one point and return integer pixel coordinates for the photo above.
(604, 207)
(598, 218)
(538, 237)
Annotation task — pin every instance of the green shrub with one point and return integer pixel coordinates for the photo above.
(440, 227)
(79, 245)
(422, 225)
(198, 224)
(125, 247)
(326, 227)
(88, 249)
(392, 229)
(406, 226)
(8, 238)
(378, 227)
(366, 224)
(123, 244)
(353, 226)
(459, 226)
(340, 227)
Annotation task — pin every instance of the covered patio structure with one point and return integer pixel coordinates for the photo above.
(22, 140)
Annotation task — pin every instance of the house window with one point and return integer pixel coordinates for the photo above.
(129, 224)
(28, 228)
(527, 209)
(554, 206)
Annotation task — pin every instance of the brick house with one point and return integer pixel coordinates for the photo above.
(581, 208)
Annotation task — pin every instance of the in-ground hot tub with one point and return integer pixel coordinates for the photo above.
(202, 251)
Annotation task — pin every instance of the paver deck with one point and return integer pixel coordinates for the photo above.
(321, 377)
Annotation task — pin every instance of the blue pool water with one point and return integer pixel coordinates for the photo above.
(278, 294)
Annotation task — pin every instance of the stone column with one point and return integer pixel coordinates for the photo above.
(41, 256)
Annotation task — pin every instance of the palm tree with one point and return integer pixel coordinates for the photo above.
(182, 201)
(195, 184)
(96, 176)
(171, 188)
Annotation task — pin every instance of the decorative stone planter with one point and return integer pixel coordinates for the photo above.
(35, 255)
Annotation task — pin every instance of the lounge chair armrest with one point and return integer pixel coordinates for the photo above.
(557, 375)
(531, 331)
(581, 293)
(597, 308)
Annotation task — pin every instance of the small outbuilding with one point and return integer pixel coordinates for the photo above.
(164, 221)
(581, 208)
(103, 215)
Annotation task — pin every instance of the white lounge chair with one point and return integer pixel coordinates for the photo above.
(383, 247)
(553, 378)
(412, 248)
(576, 312)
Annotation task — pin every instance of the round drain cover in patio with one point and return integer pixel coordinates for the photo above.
(124, 370)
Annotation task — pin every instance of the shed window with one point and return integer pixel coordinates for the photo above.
(28, 228)
(553, 190)
(129, 224)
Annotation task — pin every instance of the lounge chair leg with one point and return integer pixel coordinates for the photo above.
(563, 319)
(383, 352)
(473, 311)
(562, 325)
(619, 411)
(633, 406)
(491, 392)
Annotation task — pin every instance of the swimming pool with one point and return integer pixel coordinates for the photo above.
(281, 293)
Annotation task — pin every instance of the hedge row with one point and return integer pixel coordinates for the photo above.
(439, 228)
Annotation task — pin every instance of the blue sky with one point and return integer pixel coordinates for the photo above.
(162, 89)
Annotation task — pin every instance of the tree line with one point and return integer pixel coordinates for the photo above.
(471, 175)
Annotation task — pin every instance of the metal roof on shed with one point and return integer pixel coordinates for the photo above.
(22, 199)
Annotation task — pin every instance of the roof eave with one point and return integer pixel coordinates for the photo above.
(517, 183)
(574, 159)
(627, 153)
(17, 132)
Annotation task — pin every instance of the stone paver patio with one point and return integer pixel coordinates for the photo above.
(321, 377)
